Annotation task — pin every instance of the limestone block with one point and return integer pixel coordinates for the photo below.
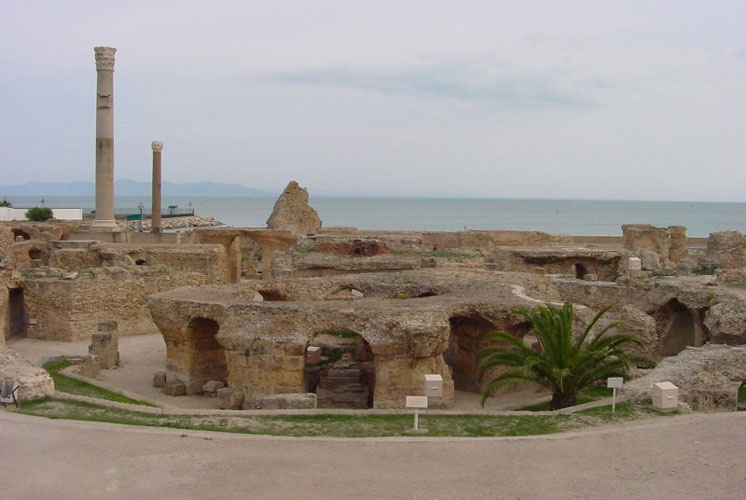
(105, 345)
(288, 402)
(230, 398)
(634, 264)
(174, 388)
(665, 396)
(159, 379)
(89, 367)
(210, 388)
(433, 385)
(34, 382)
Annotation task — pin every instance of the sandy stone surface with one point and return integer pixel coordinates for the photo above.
(693, 456)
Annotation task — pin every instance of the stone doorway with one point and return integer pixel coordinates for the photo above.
(677, 328)
(342, 370)
(580, 270)
(17, 316)
(206, 357)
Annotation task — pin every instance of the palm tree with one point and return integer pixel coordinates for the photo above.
(564, 364)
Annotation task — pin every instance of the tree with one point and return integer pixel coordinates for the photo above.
(39, 214)
(565, 364)
(6, 203)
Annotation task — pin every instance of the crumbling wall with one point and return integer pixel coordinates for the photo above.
(599, 265)
(727, 249)
(668, 243)
(71, 309)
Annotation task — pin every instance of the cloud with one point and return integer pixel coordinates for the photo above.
(493, 84)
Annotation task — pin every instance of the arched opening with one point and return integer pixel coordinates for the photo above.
(35, 254)
(20, 233)
(17, 315)
(580, 270)
(207, 356)
(742, 397)
(141, 262)
(466, 340)
(272, 296)
(676, 327)
(340, 370)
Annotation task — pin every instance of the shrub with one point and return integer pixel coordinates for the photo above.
(6, 203)
(39, 214)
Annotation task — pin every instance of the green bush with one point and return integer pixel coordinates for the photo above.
(6, 203)
(39, 214)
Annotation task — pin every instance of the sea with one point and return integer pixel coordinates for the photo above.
(576, 217)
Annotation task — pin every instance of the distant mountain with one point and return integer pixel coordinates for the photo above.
(127, 187)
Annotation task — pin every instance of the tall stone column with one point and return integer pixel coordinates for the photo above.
(104, 219)
(155, 221)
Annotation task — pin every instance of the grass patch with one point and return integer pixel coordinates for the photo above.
(64, 383)
(703, 271)
(742, 394)
(737, 284)
(587, 395)
(344, 425)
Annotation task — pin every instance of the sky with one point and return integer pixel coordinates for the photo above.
(497, 99)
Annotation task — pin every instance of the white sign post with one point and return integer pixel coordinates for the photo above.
(417, 402)
(614, 383)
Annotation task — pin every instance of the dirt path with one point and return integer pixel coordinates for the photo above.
(694, 456)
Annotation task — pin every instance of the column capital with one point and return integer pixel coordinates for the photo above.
(157, 146)
(104, 58)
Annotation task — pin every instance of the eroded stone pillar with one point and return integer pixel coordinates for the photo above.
(104, 219)
(156, 198)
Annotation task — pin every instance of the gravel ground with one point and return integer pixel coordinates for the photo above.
(698, 456)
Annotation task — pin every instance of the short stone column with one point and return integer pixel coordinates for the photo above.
(104, 346)
(155, 221)
(104, 219)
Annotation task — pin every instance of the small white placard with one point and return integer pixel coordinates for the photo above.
(614, 382)
(416, 401)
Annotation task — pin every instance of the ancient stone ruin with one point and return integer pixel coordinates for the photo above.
(293, 213)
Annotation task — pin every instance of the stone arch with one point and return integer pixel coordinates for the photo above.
(35, 254)
(677, 327)
(340, 369)
(466, 340)
(580, 270)
(204, 357)
(141, 262)
(20, 232)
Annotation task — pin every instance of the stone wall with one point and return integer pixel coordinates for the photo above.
(669, 243)
(582, 263)
(727, 249)
(71, 309)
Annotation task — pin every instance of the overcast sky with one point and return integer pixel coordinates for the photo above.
(571, 99)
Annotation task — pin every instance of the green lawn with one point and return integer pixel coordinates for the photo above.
(587, 395)
(70, 385)
(345, 425)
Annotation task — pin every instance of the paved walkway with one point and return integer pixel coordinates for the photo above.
(698, 456)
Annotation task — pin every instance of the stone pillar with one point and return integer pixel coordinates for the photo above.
(105, 345)
(155, 222)
(104, 219)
